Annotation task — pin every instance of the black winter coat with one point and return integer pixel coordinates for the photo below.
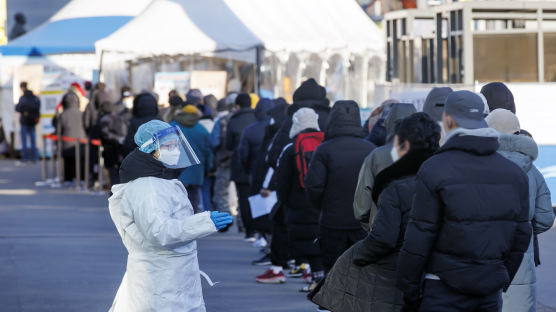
(238, 122)
(113, 132)
(469, 223)
(332, 176)
(302, 218)
(145, 109)
(69, 122)
(29, 106)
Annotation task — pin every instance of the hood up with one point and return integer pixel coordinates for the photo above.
(70, 100)
(139, 165)
(262, 109)
(311, 94)
(520, 149)
(145, 105)
(397, 111)
(498, 95)
(344, 120)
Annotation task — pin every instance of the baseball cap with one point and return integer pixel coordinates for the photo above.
(467, 109)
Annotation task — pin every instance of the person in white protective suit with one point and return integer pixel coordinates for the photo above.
(155, 219)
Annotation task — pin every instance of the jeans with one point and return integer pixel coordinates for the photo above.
(28, 132)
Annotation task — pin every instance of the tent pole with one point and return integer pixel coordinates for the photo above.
(100, 66)
(258, 58)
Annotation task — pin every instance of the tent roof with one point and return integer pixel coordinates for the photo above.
(170, 27)
(76, 27)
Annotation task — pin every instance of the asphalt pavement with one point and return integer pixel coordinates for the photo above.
(59, 251)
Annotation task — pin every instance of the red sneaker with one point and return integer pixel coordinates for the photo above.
(269, 277)
(307, 278)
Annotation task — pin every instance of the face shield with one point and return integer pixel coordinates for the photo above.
(172, 149)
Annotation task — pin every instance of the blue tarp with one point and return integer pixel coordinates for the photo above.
(74, 35)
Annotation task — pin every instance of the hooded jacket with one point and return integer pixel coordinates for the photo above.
(113, 131)
(198, 138)
(145, 109)
(363, 206)
(155, 220)
(331, 178)
(240, 120)
(522, 150)
(252, 137)
(69, 123)
(349, 285)
(469, 220)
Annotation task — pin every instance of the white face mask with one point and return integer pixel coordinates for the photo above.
(272, 121)
(394, 154)
(128, 102)
(170, 158)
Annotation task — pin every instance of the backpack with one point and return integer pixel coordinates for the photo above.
(305, 145)
(31, 113)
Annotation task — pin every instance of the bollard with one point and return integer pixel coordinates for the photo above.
(43, 161)
(100, 168)
(86, 166)
(77, 165)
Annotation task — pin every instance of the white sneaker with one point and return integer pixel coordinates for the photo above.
(260, 243)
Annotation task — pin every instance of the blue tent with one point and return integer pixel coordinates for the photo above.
(73, 35)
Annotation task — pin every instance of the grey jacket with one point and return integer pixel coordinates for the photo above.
(364, 208)
(522, 150)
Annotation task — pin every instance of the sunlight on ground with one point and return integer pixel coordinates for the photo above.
(20, 192)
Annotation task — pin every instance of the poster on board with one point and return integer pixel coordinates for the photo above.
(164, 82)
(210, 82)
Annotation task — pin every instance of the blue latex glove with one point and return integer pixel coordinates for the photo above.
(221, 219)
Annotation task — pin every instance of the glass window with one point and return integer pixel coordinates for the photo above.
(550, 57)
(506, 57)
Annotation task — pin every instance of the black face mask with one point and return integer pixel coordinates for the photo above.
(138, 165)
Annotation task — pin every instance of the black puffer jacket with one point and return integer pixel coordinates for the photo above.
(113, 130)
(253, 136)
(238, 122)
(302, 217)
(469, 224)
(333, 171)
(145, 109)
(138, 165)
(69, 123)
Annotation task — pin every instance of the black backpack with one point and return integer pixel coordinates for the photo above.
(31, 113)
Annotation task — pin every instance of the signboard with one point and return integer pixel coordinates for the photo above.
(164, 82)
(210, 82)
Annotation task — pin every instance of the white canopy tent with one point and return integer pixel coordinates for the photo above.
(286, 30)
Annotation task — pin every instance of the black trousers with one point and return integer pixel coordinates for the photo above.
(333, 243)
(279, 248)
(437, 297)
(243, 191)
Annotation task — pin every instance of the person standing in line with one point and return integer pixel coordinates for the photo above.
(363, 206)
(365, 275)
(242, 118)
(29, 108)
(113, 131)
(332, 178)
(145, 109)
(469, 226)
(522, 150)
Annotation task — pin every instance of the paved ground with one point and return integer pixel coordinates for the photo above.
(60, 252)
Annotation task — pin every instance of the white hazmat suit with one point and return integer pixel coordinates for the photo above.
(156, 222)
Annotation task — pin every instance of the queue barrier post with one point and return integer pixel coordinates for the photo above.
(77, 164)
(100, 168)
(86, 167)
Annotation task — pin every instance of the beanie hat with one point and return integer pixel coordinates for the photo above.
(309, 90)
(175, 101)
(503, 121)
(194, 96)
(191, 109)
(304, 118)
(243, 100)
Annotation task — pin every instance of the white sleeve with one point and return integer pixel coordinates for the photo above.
(161, 229)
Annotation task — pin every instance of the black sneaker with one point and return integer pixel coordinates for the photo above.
(265, 260)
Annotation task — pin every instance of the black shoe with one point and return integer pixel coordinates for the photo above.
(265, 260)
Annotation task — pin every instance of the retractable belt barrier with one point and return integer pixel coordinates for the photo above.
(56, 171)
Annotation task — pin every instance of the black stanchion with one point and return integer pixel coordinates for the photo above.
(86, 166)
(77, 164)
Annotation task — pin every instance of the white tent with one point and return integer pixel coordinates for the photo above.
(64, 46)
(237, 29)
